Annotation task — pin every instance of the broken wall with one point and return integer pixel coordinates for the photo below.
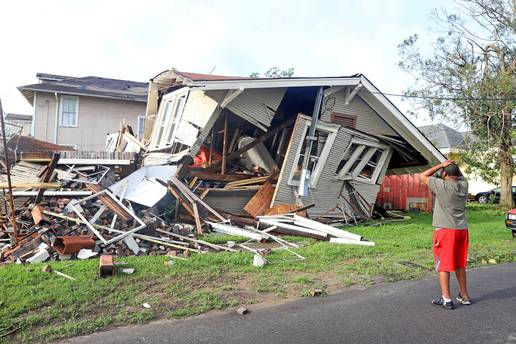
(367, 120)
(328, 189)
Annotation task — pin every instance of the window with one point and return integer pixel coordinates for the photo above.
(323, 141)
(363, 160)
(141, 127)
(344, 120)
(180, 106)
(69, 111)
(168, 119)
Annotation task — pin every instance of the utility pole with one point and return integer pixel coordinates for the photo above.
(8, 171)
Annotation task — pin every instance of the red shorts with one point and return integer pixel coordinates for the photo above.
(450, 249)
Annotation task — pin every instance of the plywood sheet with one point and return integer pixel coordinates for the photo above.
(261, 200)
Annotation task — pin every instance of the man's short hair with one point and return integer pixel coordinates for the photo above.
(453, 170)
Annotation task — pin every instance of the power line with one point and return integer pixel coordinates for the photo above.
(445, 98)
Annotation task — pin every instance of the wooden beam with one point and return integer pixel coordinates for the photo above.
(197, 219)
(351, 94)
(258, 140)
(207, 175)
(31, 185)
(224, 145)
(48, 174)
(230, 96)
(180, 200)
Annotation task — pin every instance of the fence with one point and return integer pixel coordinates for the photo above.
(405, 192)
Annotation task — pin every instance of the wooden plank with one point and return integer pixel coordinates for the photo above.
(32, 185)
(180, 200)
(224, 145)
(186, 191)
(261, 201)
(197, 219)
(207, 175)
(255, 180)
(282, 209)
(110, 203)
(205, 243)
(48, 175)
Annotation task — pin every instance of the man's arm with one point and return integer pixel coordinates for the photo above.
(425, 175)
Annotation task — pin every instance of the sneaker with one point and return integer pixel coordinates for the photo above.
(440, 302)
(463, 300)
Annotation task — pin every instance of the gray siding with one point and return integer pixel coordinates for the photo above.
(232, 201)
(368, 120)
(326, 193)
(252, 105)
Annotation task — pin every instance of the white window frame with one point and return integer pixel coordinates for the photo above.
(371, 147)
(332, 131)
(139, 127)
(61, 100)
(166, 139)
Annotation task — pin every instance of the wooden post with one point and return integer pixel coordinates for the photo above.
(48, 174)
(212, 143)
(8, 171)
(224, 145)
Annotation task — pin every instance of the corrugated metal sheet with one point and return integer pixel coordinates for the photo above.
(258, 105)
(405, 192)
(367, 120)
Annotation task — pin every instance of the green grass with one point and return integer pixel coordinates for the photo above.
(43, 307)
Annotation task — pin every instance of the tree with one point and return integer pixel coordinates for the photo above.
(470, 77)
(275, 72)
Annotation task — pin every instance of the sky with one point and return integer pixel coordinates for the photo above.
(136, 40)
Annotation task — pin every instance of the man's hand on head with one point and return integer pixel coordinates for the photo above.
(447, 163)
(425, 175)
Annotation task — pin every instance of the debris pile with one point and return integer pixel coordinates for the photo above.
(133, 200)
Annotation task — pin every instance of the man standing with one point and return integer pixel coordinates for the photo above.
(450, 241)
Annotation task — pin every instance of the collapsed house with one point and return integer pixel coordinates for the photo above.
(254, 158)
(326, 141)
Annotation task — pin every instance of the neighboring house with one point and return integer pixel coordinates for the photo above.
(18, 124)
(81, 111)
(452, 143)
(359, 137)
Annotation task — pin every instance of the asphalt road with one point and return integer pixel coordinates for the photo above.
(395, 313)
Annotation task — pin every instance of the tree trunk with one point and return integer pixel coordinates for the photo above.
(506, 174)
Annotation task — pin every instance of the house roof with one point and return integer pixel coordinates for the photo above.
(169, 80)
(92, 86)
(442, 136)
(18, 117)
(20, 143)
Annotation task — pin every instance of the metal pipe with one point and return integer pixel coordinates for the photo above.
(57, 115)
(310, 138)
(8, 171)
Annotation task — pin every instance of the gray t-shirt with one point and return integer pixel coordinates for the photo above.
(450, 203)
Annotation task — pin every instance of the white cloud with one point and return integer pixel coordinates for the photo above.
(136, 40)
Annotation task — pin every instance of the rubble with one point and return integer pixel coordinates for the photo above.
(222, 171)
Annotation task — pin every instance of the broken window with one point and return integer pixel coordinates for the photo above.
(363, 160)
(323, 140)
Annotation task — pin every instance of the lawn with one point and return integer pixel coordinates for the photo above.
(41, 307)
